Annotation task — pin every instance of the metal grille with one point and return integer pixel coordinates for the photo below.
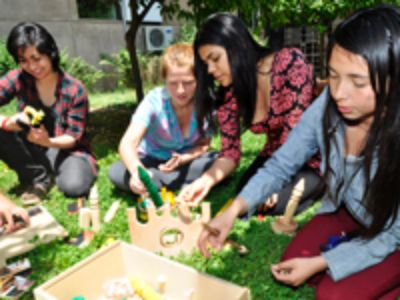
(308, 40)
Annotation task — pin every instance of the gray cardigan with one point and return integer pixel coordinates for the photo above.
(304, 141)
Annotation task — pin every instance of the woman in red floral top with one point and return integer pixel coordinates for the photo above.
(251, 87)
(59, 146)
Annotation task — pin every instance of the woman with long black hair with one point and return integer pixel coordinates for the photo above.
(58, 150)
(248, 86)
(355, 124)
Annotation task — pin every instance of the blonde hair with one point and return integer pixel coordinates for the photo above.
(180, 55)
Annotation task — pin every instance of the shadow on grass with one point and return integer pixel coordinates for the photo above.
(253, 269)
(106, 127)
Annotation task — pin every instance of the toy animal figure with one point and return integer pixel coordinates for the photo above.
(35, 116)
(335, 240)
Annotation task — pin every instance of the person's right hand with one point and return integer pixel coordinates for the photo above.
(221, 225)
(136, 184)
(18, 117)
(195, 192)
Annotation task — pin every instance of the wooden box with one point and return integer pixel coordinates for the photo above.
(121, 259)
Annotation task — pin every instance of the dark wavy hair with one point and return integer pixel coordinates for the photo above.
(374, 34)
(229, 32)
(27, 34)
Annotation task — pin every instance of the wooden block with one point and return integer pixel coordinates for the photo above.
(111, 212)
(42, 229)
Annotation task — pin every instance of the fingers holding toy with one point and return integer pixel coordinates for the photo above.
(215, 233)
(136, 185)
(18, 122)
(296, 271)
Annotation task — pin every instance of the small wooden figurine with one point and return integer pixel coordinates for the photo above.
(94, 208)
(89, 220)
(286, 224)
(111, 212)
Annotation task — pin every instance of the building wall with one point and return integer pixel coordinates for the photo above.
(87, 38)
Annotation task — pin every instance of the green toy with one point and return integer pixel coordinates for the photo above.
(150, 186)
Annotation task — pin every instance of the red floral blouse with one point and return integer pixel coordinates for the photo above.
(291, 93)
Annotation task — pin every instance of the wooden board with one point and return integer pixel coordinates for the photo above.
(43, 228)
(166, 233)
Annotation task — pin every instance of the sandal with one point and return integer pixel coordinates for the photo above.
(34, 194)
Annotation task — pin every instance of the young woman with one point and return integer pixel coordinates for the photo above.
(59, 146)
(355, 125)
(163, 135)
(251, 87)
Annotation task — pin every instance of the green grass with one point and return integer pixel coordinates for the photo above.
(107, 123)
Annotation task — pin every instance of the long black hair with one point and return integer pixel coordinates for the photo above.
(27, 34)
(374, 34)
(229, 32)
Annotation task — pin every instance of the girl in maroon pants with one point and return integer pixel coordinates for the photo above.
(355, 124)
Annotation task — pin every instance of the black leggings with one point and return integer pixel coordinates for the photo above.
(313, 186)
(120, 176)
(34, 164)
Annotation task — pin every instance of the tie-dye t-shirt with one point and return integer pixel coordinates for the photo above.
(163, 135)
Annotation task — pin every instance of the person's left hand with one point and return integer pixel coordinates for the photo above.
(296, 271)
(173, 163)
(39, 136)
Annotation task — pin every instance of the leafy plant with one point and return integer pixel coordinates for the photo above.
(81, 70)
(104, 9)
(187, 33)
(7, 63)
(121, 68)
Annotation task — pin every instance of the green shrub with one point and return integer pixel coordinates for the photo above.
(7, 63)
(150, 65)
(187, 33)
(120, 64)
(81, 70)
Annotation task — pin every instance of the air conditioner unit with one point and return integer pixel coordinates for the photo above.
(158, 37)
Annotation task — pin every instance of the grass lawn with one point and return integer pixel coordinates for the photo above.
(107, 123)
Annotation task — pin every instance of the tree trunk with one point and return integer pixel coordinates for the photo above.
(131, 45)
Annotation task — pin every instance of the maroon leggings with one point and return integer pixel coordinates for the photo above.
(381, 281)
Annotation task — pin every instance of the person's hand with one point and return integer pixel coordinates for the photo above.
(296, 271)
(136, 184)
(173, 163)
(39, 136)
(221, 226)
(7, 210)
(14, 122)
(195, 192)
(268, 204)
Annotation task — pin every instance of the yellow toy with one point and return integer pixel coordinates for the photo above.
(144, 290)
(35, 116)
